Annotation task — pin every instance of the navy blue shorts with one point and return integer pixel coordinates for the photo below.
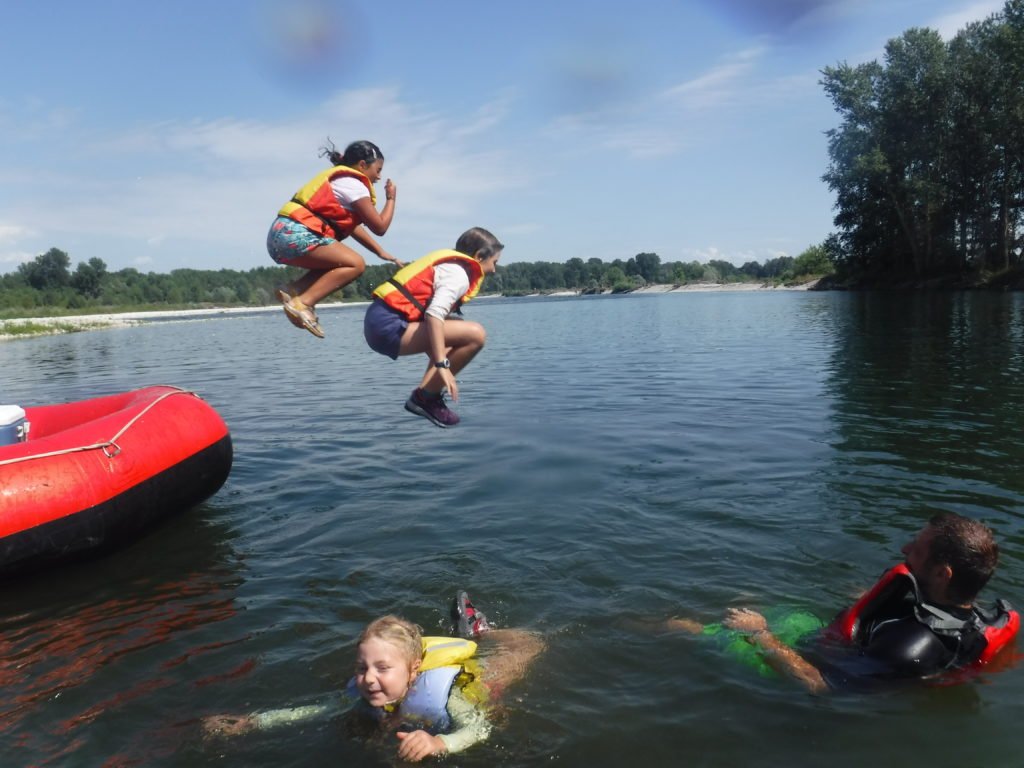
(383, 328)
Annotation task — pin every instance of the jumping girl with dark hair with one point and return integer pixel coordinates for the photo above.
(309, 228)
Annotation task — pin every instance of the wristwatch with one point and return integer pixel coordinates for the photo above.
(443, 364)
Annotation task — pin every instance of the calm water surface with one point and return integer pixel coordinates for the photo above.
(620, 459)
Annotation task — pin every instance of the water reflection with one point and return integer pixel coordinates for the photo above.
(101, 638)
(926, 391)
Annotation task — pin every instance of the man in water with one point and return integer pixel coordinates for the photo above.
(919, 620)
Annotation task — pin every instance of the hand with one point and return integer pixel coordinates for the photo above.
(449, 381)
(388, 257)
(745, 620)
(226, 725)
(390, 190)
(419, 744)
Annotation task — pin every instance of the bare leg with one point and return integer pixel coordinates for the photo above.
(506, 655)
(684, 625)
(463, 340)
(330, 267)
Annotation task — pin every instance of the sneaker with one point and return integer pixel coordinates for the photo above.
(431, 407)
(469, 622)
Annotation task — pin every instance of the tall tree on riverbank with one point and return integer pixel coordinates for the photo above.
(927, 164)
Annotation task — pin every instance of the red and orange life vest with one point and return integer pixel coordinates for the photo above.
(410, 289)
(315, 206)
(979, 637)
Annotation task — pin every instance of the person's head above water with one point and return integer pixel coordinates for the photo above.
(388, 659)
(952, 558)
(482, 246)
(363, 156)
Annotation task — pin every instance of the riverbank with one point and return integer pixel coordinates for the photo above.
(28, 327)
(22, 328)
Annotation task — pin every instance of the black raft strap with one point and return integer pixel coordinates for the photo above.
(408, 294)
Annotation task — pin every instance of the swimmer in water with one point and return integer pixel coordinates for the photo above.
(434, 694)
(919, 621)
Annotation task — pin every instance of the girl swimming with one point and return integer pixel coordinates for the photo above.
(433, 693)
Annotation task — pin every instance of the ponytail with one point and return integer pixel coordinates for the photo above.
(354, 152)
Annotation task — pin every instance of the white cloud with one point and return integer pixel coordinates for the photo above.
(717, 86)
(10, 233)
(951, 23)
(216, 184)
(15, 257)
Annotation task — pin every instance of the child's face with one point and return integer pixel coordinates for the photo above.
(490, 265)
(372, 170)
(383, 674)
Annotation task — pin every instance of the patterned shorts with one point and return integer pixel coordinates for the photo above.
(288, 240)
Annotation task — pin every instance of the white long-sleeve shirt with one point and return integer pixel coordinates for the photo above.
(469, 724)
(451, 283)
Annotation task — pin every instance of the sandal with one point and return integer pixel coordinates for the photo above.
(284, 297)
(303, 317)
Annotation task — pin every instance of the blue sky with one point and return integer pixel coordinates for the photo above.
(167, 135)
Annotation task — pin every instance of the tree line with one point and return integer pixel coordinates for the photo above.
(48, 283)
(927, 168)
(927, 164)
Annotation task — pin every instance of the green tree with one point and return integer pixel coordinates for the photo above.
(88, 277)
(649, 266)
(813, 261)
(47, 271)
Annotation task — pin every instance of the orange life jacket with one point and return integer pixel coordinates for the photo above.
(315, 206)
(409, 290)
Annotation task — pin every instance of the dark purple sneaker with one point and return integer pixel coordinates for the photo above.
(431, 407)
(470, 623)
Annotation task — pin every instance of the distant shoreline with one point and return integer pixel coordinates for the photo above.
(75, 323)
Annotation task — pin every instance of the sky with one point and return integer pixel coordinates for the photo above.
(162, 136)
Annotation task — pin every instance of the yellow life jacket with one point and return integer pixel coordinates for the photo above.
(447, 652)
(315, 206)
(409, 290)
(443, 651)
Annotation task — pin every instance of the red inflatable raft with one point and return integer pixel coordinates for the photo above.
(97, 472)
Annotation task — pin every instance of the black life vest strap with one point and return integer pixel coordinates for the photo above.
(328, 224)
(943, 622)
(408, 295)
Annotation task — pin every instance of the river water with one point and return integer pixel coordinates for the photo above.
(621, 460)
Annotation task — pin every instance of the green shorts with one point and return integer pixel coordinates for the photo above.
(790, 628)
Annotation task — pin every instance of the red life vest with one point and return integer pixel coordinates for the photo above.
(410, 289)
(980, 636)
(315, 206)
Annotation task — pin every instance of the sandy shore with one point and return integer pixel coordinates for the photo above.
(697, 287)
(701, 287)
(73, 323)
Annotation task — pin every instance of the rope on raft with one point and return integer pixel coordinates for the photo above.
(104, 446)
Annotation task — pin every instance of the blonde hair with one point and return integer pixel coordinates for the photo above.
(404, 635)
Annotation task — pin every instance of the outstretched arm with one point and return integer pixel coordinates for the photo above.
(361, 236)
(777, 654)
(235, 725)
